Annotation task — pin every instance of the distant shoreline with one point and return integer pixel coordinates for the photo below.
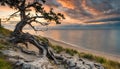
(80, 49)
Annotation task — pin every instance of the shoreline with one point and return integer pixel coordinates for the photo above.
(81, 49)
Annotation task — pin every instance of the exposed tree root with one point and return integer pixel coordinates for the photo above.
(42, 46)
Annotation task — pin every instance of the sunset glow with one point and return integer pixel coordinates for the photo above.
(75, 11)
(67, 3)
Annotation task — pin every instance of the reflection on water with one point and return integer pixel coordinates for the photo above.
(107, 41)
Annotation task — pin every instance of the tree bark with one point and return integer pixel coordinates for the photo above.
(0, 22)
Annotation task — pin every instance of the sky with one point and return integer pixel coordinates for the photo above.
(81, 11)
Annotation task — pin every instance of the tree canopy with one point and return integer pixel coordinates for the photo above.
(22, 6)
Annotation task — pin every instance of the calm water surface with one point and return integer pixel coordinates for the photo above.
(107, 41)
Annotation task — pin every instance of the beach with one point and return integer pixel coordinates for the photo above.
(88, 51)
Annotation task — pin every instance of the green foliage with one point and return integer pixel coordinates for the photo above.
(71, 51)
(5, 64)
(43, 39)
(92, 57)
(58, 49)
(100, 59)
(87, 56)
(5, 32)
(111, 65)
(5, 45)
(4, 41)
(2, 46)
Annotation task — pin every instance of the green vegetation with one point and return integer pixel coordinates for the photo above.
(4, 64)
(71, 51)
(43, 39)
(58, 49)
(1, 46)
(4, 31)
(4, 44)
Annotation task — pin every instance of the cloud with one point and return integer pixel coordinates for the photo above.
(87, 9)
(84, 10)
(67, 3)
(116, 18)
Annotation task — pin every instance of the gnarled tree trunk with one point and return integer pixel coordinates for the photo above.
(18, 36)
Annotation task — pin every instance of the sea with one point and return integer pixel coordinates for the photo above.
(102, 40)
(106, 41)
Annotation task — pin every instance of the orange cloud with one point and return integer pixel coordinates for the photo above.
(67, 3)
(89, 9)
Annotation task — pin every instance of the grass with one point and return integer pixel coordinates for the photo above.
(70, 51)
(58, 49)
(42, 38)
(1, 46)
(4, 64)
(4, 31)
(4, 44)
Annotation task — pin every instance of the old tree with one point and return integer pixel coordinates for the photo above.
(22, 7)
